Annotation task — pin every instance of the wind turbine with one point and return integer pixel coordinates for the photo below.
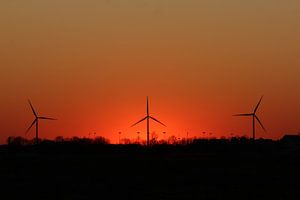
(138, 137)
(254, 117)
(148, 117)
(120, 136)
(36, 122)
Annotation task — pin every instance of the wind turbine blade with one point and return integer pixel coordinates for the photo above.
(258, 104)
(34, 121)
(250, 114)
(260, 123)
(48, 118)
(139, 121)
(147, 106)
(158, 121)
(32, 108)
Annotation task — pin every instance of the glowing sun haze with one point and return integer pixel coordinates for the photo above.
(91, 64)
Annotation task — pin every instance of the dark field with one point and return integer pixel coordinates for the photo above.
(162, 172)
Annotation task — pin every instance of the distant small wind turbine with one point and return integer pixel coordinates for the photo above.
(164, 134)
(138, 137)
(254, 116)
(148, 117)
(36, 122)
(120, 136)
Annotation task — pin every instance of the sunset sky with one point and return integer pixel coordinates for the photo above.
(92, 63)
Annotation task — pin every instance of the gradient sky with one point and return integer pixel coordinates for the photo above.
(92, 63)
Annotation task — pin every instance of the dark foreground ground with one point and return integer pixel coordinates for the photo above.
(164, 172)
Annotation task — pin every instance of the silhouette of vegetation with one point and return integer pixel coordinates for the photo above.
(193, 168)
(291, 140)
(21, 141)
(100, 140)
(59, 139)
(126, 141)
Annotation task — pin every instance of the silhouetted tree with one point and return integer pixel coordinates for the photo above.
(85, 140)
(154, 138)
(75, 139)
(100, 140)
(59, 139)
(10, 140)
(172, 140)
(125, 141)
(162, 142)
(17, 141)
